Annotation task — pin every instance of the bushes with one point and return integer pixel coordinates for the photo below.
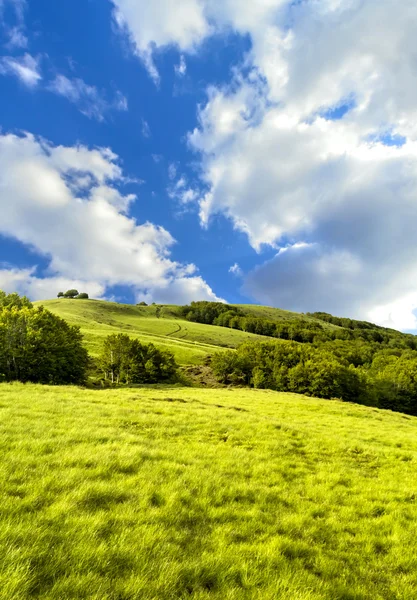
(37, 346)
(290, 367)
(124, 360)
(387, 380)
(73, 294)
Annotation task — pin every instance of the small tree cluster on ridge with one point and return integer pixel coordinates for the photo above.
(73, 294)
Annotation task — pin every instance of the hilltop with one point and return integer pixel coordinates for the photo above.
(162, 493)
(190, 342)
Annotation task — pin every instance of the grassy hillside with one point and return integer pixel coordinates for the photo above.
(190, 342)
(159, 493)
(278, 314)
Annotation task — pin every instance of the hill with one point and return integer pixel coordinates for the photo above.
(163, 493)
(190, 342)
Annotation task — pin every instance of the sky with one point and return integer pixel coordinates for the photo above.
(177, 150)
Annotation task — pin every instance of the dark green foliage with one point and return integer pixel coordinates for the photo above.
(125, 360)
(366, 331)
(207, 312)
(74, 294)
(387, 378)
(303, 330)
(37, 346)
(60, 295)
(142, 304)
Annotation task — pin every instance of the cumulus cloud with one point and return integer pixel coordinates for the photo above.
(26, 283)
(67, 206)
(90, 101)
(26, 68)
(298, 151)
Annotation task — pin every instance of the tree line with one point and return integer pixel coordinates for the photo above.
(298, 329)
(354, 372)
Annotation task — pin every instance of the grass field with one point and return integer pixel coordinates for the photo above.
(181, 493)
(190, 342)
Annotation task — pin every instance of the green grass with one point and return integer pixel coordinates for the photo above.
(279, 314)
(180, 493)
(191, 343)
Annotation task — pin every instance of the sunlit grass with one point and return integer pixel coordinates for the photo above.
(165, 493)
(190, 342)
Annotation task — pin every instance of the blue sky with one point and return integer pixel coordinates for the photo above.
(181, 150)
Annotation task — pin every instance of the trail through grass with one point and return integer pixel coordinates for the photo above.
(179, 493)
(190, 342)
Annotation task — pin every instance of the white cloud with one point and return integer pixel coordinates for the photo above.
(180, 290)
(172, 171)
(161, 23)
(89, 100)
(16, 31)
(146, 130)
(17, 39)
(236, 270)
(67, 207)
(25, 282)
(26, 68)
(181, 68)
(275, 163)
(180, 190)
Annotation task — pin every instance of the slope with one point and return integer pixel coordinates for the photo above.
(162, 493)
(190, 342)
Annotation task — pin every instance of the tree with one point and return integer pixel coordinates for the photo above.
(38, 346)
(60, 295)
(125, 360)
(71, 293)
(10, 300)
(115, 356)
(82, 296)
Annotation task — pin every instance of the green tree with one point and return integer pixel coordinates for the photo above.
(82, 296)
(71, 293)
(124, 360)
(60, 295)
(38, 346)
(10, 300)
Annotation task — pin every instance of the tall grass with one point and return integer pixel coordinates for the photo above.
(178, 493)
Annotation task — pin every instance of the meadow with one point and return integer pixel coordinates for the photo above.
(163, 493)
(191, 343)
